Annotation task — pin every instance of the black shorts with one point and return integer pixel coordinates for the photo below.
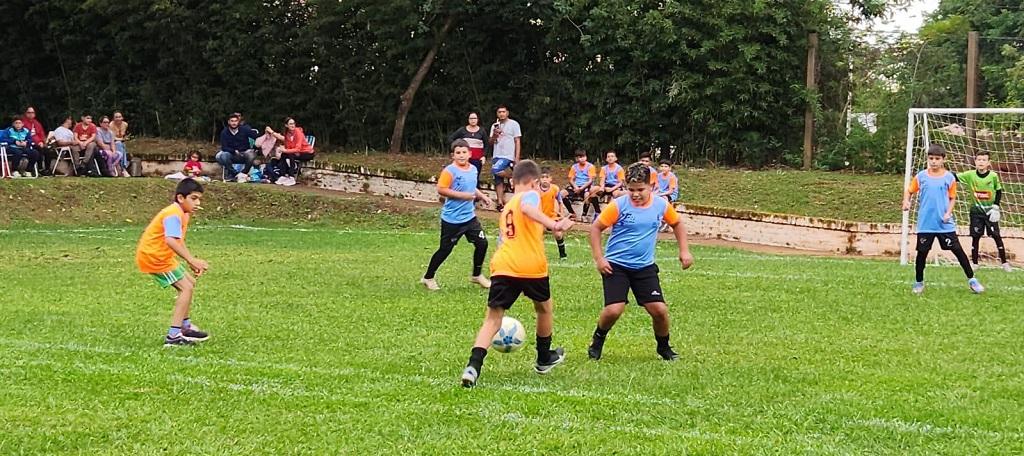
(980, 225)
(947, 241)
(506, 290)
(577, 196)
(452, 232)
(644, 282)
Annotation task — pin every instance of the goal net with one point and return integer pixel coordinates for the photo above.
(964, 133)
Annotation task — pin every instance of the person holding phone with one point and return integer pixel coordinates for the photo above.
(506, 139)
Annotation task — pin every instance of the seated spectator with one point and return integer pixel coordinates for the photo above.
(38, 133)
(105, 142)
(85, 139)
(194, 165)
(234, 147)
(120, 129)
(19, 145)
(295, 148)
(63, 137)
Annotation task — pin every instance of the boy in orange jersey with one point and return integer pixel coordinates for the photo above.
(520, 267)
(163, 238)
(551, 206)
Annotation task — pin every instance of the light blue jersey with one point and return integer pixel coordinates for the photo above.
(460, 180)
(634, 230)
(933, 201)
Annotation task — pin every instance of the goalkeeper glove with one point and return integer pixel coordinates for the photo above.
(993, 214)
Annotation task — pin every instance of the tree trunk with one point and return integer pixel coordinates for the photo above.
(406, 101)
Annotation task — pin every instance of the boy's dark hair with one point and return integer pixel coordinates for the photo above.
(646, 155)
(502, 106)
(937, 149)
(610, 151)
(16, 119)
(187, 187)
(638, 172)
(235, 115)
(525, 170)
(459, 143)
(545, 170)
(665, 161)
(983, 152)
(581, 153)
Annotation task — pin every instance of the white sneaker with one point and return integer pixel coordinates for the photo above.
(1007, 267)
(431, 284)
(484, 282)
(15, 174)
(124, 173)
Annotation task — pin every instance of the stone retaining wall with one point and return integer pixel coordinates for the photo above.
(778, 230)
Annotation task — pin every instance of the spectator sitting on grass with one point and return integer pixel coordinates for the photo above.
(105, 140)
(234, 147)
(194, 165)
(19, 145)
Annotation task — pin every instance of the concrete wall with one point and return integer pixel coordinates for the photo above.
(758, 228)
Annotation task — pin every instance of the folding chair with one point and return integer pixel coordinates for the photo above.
(299, 163)
(5, 167)
(64, 153)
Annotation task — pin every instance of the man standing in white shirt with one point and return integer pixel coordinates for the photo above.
(505, 136)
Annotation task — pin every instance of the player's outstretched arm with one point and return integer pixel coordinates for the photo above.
(535, 213)
(453, 194)
(482, 197)
(177, 246)
(685, 258)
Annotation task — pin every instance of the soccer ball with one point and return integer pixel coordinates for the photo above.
(510, 336)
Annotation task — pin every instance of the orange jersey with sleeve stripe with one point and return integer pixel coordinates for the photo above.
(549, 202)
(521, 253)
(153, 255)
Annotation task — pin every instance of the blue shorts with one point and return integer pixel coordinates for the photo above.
(499, 165)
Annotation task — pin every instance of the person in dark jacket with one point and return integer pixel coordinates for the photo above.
(235, 148)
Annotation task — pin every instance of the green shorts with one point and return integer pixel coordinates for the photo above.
(166, 279)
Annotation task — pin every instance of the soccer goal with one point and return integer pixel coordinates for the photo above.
(964, 133)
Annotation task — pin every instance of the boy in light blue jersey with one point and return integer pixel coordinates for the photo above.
(457, 184)
(937, 197)
(628, 260)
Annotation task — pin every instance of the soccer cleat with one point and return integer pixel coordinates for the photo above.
(193, 334)
(556, 358)
(178, 341)
(917, 287)
(1007, 267)
(431, 284)
(975, 286)
(469, 376)
(595, 349)
(563, 257)
(667, 354)
(484, 282)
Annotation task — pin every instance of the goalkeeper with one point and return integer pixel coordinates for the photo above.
(985, 192)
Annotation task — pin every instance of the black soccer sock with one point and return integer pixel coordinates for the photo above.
(561, 246)
(543, 349)
(476, 359)
(965, 264)
(597, 206)
(1000, 247)
(662, 341)
(922, 258)
(975, 241)
(568, 205)
(601, 333)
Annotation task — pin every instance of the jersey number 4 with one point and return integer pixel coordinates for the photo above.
(510, 226)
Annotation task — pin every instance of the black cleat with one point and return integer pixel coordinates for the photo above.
(667, 354)
(555, 358)
(193, 334)
(178, 341)
(596, 346)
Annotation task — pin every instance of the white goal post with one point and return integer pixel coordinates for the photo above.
(964, 132)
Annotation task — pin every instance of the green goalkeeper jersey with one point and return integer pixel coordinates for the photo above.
(982, 190)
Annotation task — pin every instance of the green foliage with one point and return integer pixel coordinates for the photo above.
(704, 81)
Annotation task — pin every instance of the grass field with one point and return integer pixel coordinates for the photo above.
(323, 343)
